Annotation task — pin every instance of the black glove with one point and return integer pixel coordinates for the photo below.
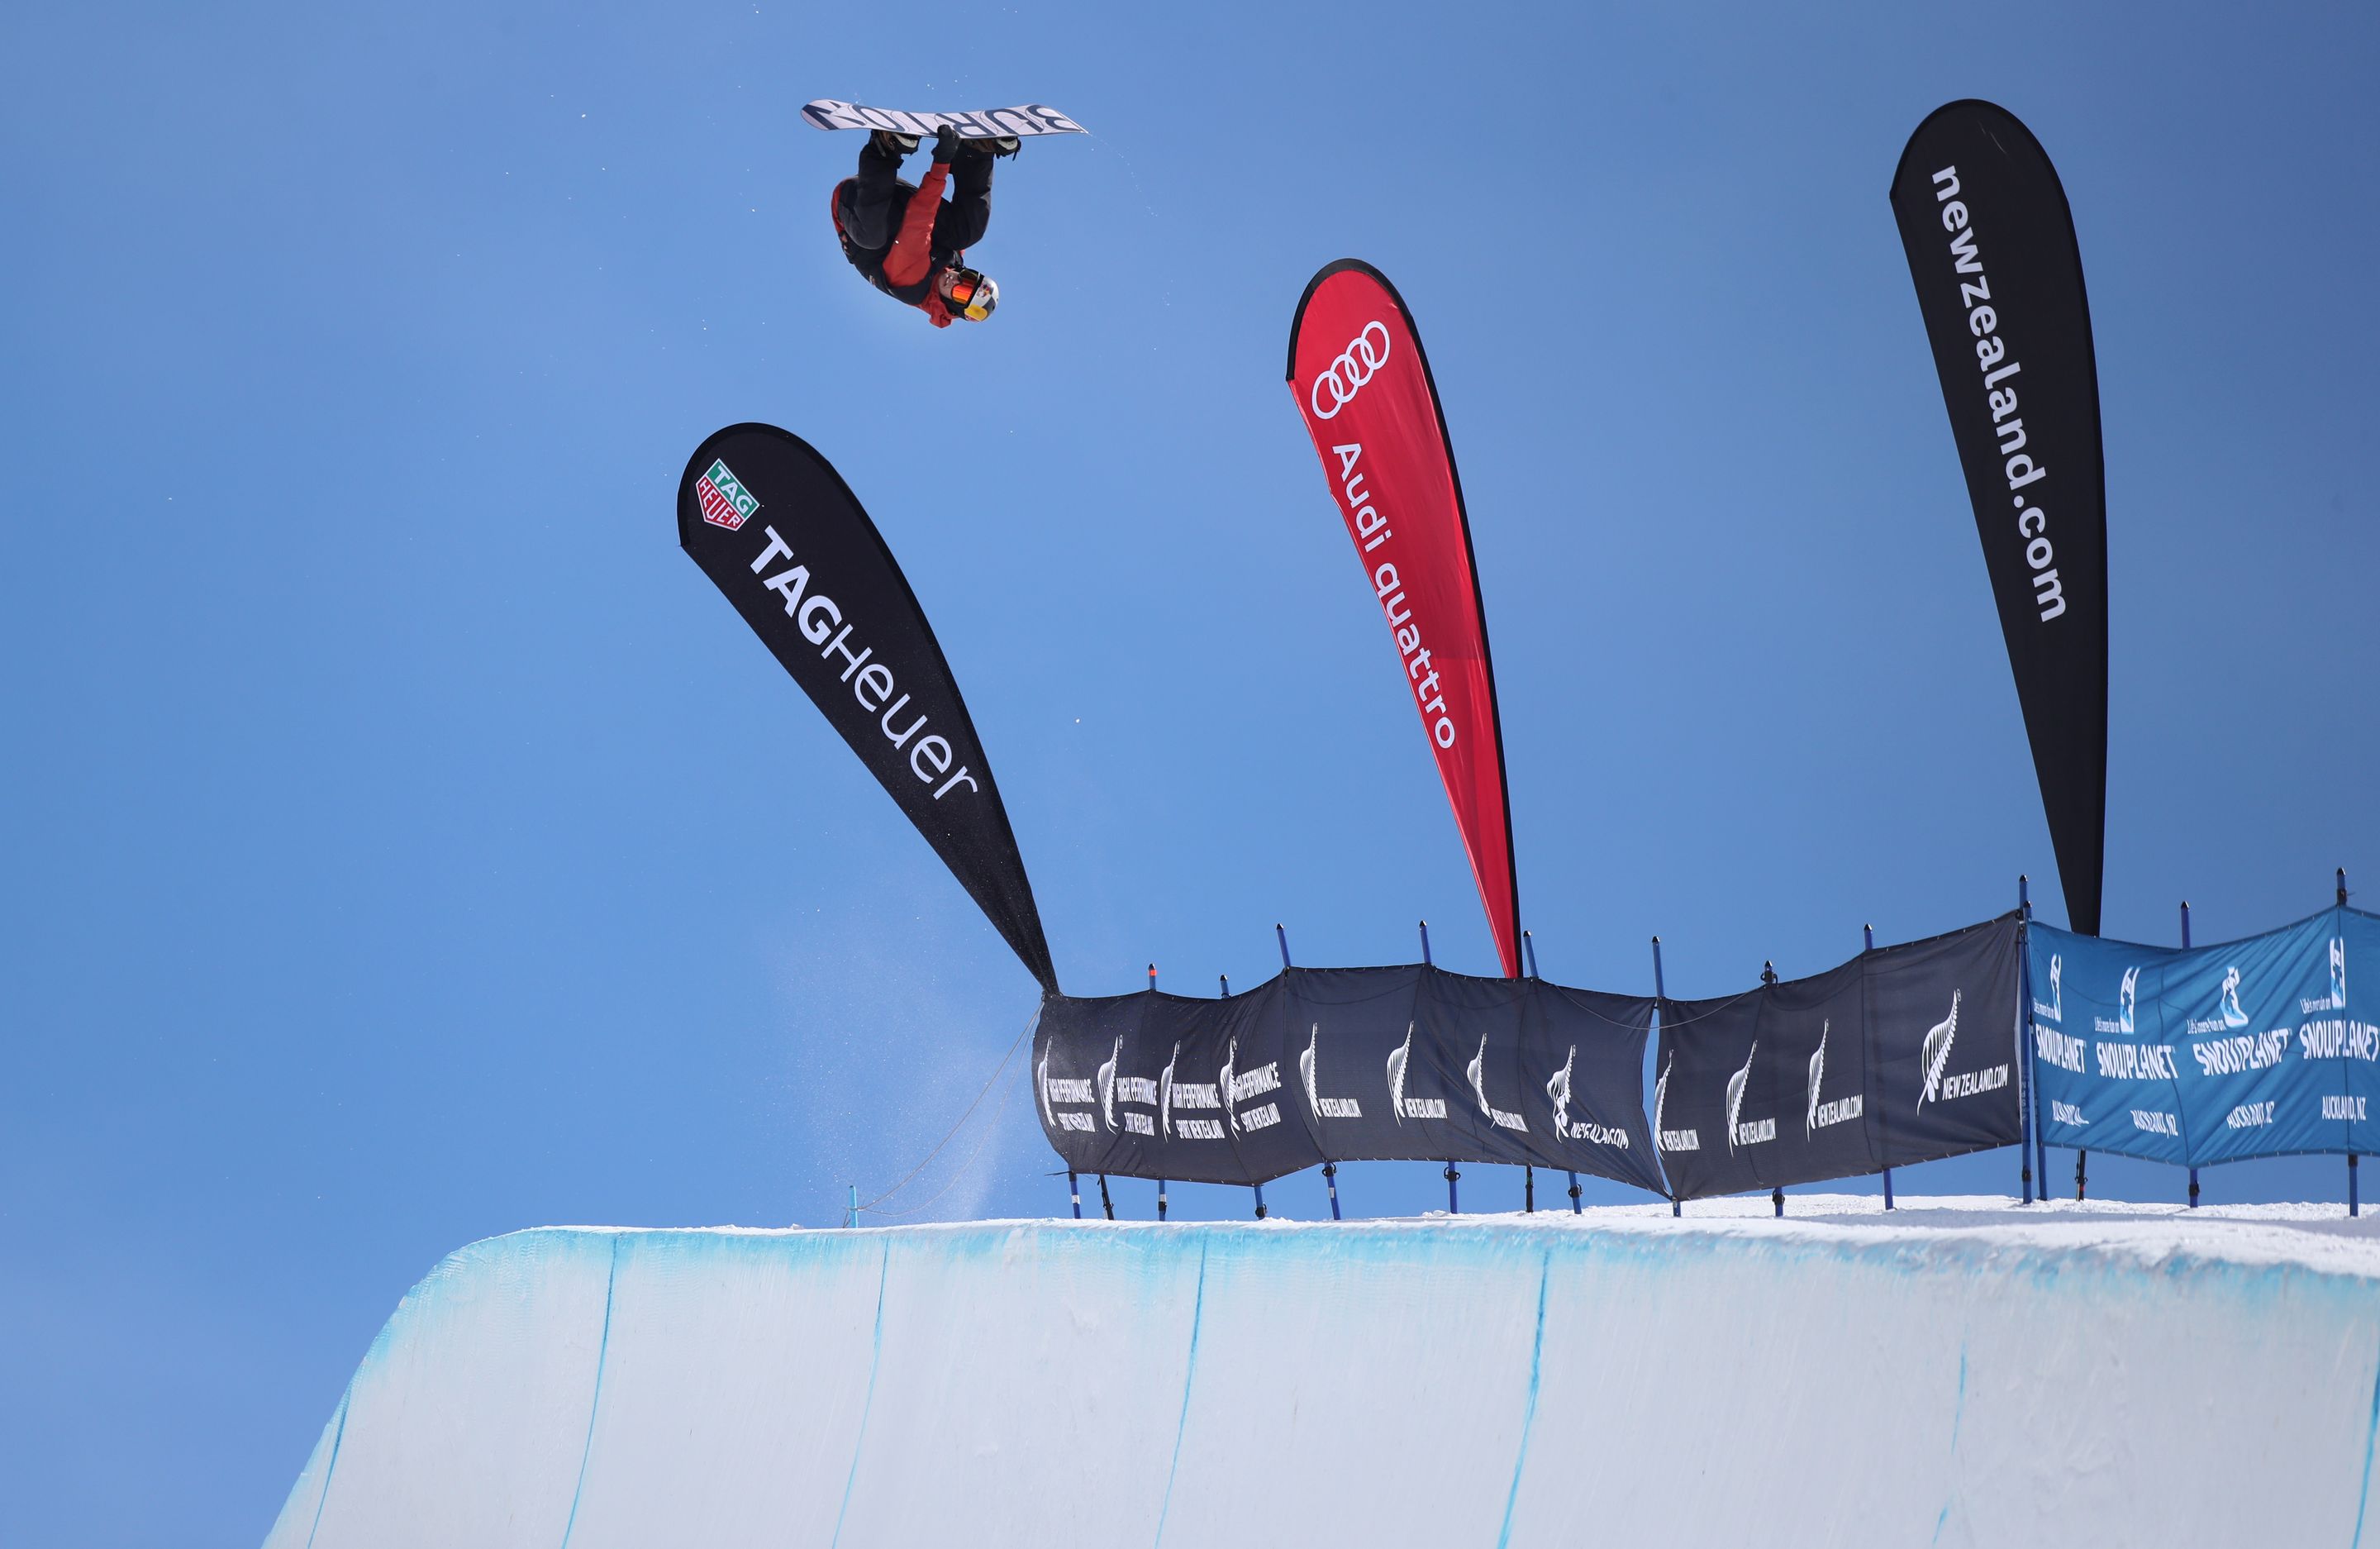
(946, 144)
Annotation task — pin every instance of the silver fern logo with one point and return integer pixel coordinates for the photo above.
(1401, 1107)
(1107, 1086)
(1231, 1058)
(1307, 1070)
(1165, 1094)
(1738, 1133)
(1477, 1071)
(1671, 1139)
(1041, 1085)
(1558, 1093)
(1936, 1051)
(1822, 1113)
(1817, 1077)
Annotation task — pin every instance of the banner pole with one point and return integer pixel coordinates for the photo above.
(1452, 1206)
(1106, 1202)
(2032, 1111)
(1777, 1194)
(1867, 935)
(1260, 1204)
(2185, 946)
(2028, 1119)
(1660, 993)
(1529, 953)
(1075, 1189)
(851, 1215)
(1329, 1169)
(2350, 1155)
(1528, 1189)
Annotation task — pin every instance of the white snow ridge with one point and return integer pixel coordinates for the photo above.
(1958, 1372)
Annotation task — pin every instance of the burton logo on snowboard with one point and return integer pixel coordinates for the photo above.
(726, 502)
(990, 123)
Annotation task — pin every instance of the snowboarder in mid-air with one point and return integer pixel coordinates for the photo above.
(909, 241)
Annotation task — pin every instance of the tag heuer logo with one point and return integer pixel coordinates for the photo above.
(725, 503)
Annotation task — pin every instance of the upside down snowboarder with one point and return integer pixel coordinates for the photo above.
(911, 243)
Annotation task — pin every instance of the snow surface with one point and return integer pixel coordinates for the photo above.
(1960, 1371)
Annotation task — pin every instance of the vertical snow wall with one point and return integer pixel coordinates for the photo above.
(1536, 1381)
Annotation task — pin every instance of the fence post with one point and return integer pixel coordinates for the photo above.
(1529, 1176)
(2028, 1100)
(1660, 993)
(1868, 936)
(2185, 946)
(1453, 1207)
(1074, 1190)
(2350, 1155)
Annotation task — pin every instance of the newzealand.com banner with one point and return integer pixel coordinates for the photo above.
(2211, 1053)
(1991, 247)
(1362, 383)
(1904, 1054)
(1345, 1065)
(778, 531)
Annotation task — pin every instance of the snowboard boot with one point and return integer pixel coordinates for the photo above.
(893, 144)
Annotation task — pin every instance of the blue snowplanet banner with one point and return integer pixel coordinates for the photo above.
(2212, 1054)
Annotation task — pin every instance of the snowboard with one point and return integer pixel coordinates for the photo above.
(1032, 118)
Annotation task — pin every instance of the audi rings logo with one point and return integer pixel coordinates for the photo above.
(1351, 371)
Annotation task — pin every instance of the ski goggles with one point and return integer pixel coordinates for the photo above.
(971, 295)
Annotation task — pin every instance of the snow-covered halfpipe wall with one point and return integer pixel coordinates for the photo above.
(1941, 1377)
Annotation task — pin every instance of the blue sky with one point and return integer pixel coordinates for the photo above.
(406, 843)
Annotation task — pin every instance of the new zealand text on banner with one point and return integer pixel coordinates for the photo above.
(2250, 1048)
(1904, 1054)
(1991, 245)
(1364, 388)
(780, 534)
(1345, 1064)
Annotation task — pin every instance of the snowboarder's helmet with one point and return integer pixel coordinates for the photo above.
(969, 294)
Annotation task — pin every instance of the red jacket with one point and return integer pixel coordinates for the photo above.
(909, 261)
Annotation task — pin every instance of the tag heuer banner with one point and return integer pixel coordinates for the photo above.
(1345, 1065)
(1904, 1054)
(1991, 247)
(2255, 1048)
(777, 529)
(1362, 383)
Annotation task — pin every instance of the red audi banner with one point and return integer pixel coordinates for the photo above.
(1357, 371)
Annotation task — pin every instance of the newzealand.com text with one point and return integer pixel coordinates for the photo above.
(1983, 322)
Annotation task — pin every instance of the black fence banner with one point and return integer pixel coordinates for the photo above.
(778, 531)
(1904, 1054)
(1345, 1064)
(1992, 249)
